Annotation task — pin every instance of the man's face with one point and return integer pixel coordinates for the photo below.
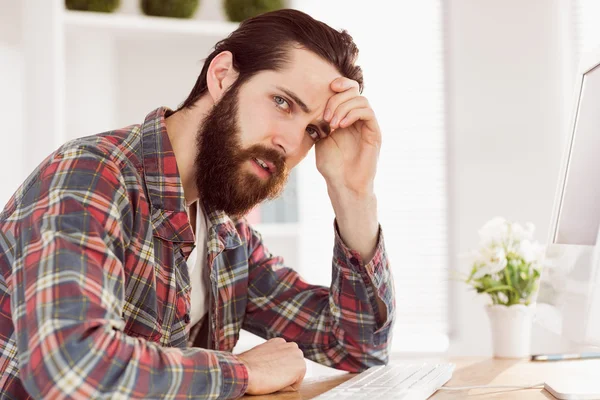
(258, 131)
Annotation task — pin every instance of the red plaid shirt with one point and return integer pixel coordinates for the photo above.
(95, 292)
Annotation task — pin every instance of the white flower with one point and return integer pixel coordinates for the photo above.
(519, 232)
(531, 252)
(494, 231)
(491, 260)
(506, 246)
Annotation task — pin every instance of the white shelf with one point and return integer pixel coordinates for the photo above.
(290, 230)
(133, 25)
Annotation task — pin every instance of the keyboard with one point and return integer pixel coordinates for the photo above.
(406, 381)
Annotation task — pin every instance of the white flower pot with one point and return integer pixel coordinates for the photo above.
(511, 330)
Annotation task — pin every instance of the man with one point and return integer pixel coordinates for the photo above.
(128, 270)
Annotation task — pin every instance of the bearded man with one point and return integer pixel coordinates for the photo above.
(127, 268)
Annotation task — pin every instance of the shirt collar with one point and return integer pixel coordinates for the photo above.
(163, 182)
(165, 189)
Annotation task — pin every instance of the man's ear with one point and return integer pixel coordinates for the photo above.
(221, 75)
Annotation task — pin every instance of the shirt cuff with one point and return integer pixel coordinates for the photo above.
(375, 274)
(234, 375)
(355, 261)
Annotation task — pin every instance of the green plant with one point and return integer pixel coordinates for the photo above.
(507, 264)
(170, 8)
(93, 5)
(239, 10)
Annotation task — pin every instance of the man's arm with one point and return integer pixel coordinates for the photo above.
(354, 211)
(340, 326)
(348, 325)
(67, 298)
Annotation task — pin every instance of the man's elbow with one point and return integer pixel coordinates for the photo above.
(373, 358)
(377, 351)
(363, 358)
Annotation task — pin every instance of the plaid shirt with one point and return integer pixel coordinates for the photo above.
(95, 292)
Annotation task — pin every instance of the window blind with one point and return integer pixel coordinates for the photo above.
(586, 29)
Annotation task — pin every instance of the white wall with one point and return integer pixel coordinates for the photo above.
(11, 86)
(505, 117)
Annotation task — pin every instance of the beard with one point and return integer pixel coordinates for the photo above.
(223, 178)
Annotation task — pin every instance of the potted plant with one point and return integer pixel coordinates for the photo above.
(106, 6)
(506, 267)
(239, 10)
(170, 8)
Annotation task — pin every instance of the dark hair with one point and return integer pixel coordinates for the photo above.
(263, 43)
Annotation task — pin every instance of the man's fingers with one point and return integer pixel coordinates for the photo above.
(367, 115)
(290, 388)
(272, 365)
(372, 133)
(294, 387)
(334, 102)
(354, 115)
(292, 345)
(343, 109)
(343, 83)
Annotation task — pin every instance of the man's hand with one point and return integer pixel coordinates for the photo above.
(347, 159)
(274, 365)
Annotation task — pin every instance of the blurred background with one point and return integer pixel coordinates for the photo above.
(473, 97)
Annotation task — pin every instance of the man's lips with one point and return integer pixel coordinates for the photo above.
(272, 169)
(259, 169)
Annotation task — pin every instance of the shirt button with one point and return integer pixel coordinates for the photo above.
(187, 318)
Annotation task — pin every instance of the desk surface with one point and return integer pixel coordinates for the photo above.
(472, 372)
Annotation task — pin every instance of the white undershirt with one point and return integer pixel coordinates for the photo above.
(196, 264)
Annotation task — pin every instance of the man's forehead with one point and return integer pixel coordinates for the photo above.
(307, 75)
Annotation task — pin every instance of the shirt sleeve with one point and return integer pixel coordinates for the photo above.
(339, 326)
(75, 228)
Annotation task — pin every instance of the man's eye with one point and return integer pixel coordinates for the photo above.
(313, 133)
(281, 103)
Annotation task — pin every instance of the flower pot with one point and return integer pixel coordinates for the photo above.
(239, 10)
(170, 8)
(106, 6)
(511, 330)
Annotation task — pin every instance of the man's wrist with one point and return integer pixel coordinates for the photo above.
(247, 367)
(356, 217)
(235, 374)
(346, 198)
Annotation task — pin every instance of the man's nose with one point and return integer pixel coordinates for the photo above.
(289, 140)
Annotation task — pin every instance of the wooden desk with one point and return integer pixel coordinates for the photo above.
(472, 372)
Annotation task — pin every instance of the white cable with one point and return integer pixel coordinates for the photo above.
(536, 386)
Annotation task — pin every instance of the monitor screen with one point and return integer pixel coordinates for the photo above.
(579, 209)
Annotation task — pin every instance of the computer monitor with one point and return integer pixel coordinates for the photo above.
(568, 301)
